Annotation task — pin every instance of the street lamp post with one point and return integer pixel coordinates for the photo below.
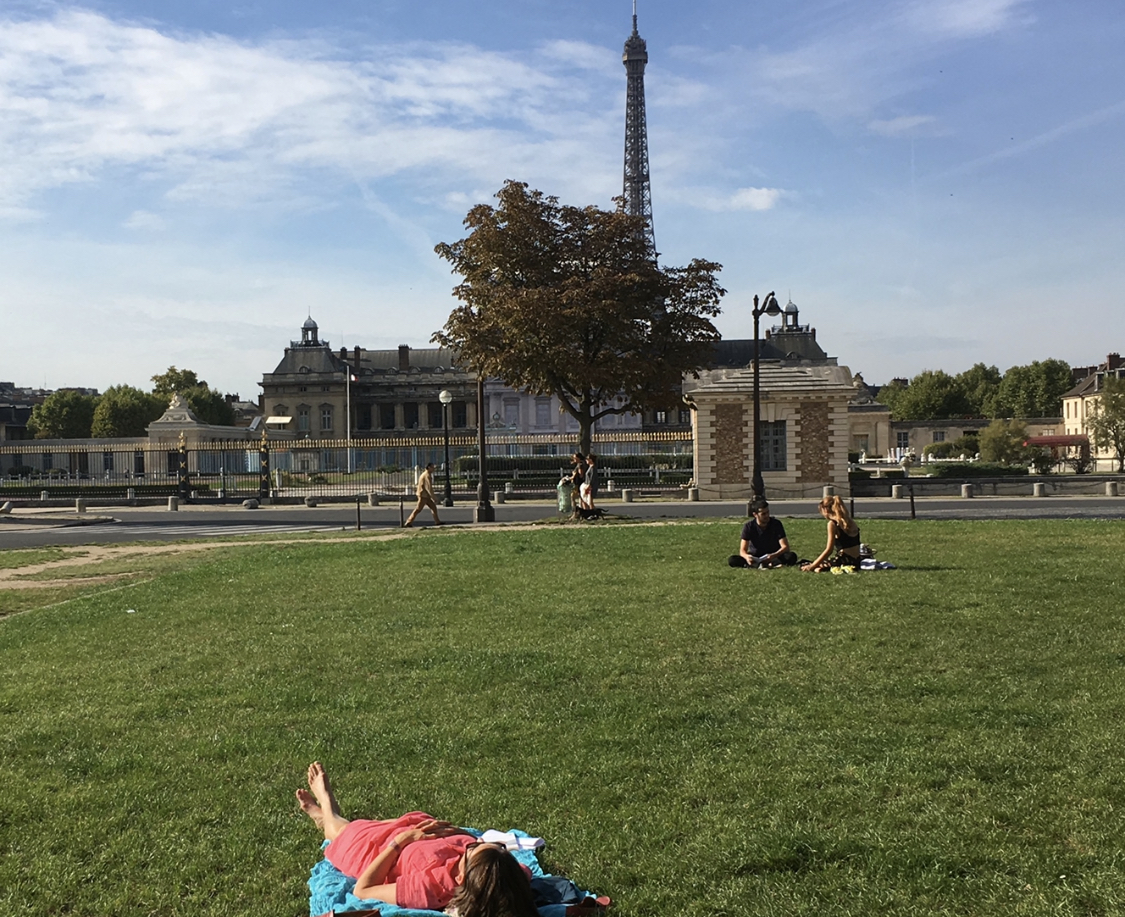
(446, 398)
(769, 307)
(484, 511)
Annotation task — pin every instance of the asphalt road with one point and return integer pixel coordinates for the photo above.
(129, 524)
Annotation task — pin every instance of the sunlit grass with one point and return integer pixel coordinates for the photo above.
(689, 738)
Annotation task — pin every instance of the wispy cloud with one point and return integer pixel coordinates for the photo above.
(215, 119)
(965, 18)
(904, 125)
(1046, 138)
(868, 55)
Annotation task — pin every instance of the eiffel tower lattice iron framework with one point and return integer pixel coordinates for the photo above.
(637, 189)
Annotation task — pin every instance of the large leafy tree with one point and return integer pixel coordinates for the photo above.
(980, 384)
(931, 394)
(208, 404)
(64, 414)
(126, 411)
(1107, 423)
(568, 301)
(1034, 390)
(1002, 441)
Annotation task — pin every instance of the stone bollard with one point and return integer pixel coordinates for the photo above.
(829, 491)
(80, 505)
(498, 497)
(44, 496)
(131, 495)
(1111, 488)
(173, 504)
(896, 491)
(693, 494)
(966, 490)
(372, 499)
(626, 495)
(1039, 489)
(310, 501)
(610, 486)
(508, 487)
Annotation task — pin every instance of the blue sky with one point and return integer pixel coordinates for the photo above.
(935, 182)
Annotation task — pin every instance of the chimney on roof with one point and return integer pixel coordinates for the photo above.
(357, 359)
(404, 358)
(1113, 361)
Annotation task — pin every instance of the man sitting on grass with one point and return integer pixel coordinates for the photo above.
(763, 543)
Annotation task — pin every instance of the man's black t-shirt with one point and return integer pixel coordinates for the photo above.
(763, 541)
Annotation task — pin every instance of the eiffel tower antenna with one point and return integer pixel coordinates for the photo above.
(637, 190)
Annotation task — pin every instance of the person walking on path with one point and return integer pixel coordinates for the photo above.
(425, 491)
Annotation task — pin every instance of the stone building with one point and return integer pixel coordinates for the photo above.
(396, 391)
(806, 428)
(1080, 403)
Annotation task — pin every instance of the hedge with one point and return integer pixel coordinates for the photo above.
(975, 470)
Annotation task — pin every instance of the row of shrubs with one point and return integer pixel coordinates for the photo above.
(59, 491)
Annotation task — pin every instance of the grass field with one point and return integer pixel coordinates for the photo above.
(690, 739)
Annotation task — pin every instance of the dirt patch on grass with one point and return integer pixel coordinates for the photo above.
(32, 576)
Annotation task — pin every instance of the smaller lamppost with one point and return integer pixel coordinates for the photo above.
(446, 398)
(484, 511)
(769, 307)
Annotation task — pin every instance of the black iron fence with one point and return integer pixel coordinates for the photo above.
(293, 469)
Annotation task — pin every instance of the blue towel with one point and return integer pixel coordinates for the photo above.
(330, 889)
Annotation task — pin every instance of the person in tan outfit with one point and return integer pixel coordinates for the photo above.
(425, 492)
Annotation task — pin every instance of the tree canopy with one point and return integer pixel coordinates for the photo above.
(65, 414)
(208, 404)
(1107, 422)
(126, 411)
(567, 301)
(1034, 390)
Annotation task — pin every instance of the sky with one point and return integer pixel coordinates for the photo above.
(934, 183)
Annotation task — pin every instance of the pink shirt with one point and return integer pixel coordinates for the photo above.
(425, 875)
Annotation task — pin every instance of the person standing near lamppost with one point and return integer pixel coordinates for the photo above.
(446, 398)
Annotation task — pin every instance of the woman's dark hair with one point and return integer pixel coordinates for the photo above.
(495, 886)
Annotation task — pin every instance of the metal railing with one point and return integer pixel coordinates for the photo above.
(525, 465)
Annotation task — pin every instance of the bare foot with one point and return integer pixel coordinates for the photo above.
(322, 788)
(308, 805)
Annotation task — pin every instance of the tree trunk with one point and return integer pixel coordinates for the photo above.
(585, 425)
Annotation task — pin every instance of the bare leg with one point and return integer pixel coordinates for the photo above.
(332, 823)
(308, 805)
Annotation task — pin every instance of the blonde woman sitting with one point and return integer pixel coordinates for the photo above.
(843, 538)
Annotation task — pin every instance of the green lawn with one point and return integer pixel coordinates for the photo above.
(690, 739)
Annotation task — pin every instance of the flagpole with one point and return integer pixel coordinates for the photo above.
(348, 372)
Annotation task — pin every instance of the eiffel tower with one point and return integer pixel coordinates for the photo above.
(637, 191)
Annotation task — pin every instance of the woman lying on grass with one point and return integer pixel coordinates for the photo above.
(416, 861)
(843, 536)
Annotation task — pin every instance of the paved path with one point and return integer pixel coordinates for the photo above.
(39, 528)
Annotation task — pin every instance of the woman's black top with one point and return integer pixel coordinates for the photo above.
(844, 540)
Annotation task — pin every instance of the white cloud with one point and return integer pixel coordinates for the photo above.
(897, 127)
(964, 18)
(869, 54)
(753, 199)
(213, 119)
(144, 221)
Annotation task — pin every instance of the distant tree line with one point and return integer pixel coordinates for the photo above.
(1034, 390)
(123, 410)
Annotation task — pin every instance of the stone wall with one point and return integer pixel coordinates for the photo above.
(730, 444)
